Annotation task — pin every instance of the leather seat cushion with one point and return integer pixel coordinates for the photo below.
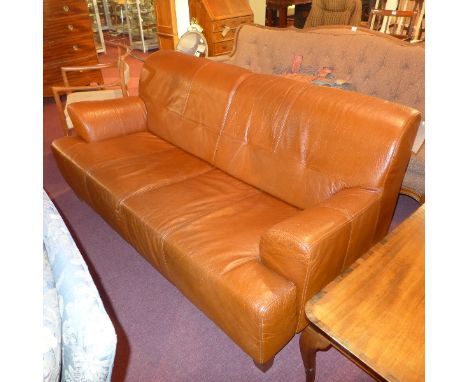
(203, 234)
(76, 157)
(111, 183)
(107, 172)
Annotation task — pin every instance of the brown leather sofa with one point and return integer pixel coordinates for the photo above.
(374, 63)
(248, 192)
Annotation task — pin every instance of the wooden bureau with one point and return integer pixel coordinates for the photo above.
(68, 41)
(219, 20)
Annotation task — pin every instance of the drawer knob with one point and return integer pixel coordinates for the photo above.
(70, 27)
(75, 47)
(66, 8)
(225, 30)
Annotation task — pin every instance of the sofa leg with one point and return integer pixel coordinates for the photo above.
(311, 342)
(265, 366)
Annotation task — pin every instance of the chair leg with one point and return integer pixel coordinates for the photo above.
(59, 106)
(311, 342)
(282, 17)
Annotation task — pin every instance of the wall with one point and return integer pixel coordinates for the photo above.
(182, 15)
(258, 8)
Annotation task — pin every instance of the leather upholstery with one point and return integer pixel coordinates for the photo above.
(248, 192)
(374, 63)
(311, 247)
(122, 118)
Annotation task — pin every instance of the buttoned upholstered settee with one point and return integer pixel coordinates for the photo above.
(373, 63)
(248, 192)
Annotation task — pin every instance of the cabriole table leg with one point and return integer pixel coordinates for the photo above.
(311, 342)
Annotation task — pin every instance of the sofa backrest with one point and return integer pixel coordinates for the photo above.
(298, 142)
(374, 63)
(187, 99)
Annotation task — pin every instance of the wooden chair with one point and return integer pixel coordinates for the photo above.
(334, 12)
(393, 22)
(276, 13)
(92, 92)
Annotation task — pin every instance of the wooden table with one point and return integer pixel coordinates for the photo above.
(282, 7)
(374, 312)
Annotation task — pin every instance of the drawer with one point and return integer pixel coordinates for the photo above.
(223, 47)
(90, 59)
(67, 27)
(76, 79)
(52, 75)
(218, 36)
(54, 9)
(69, 48)
(218, 26)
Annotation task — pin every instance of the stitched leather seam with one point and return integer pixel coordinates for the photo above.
(308, 247)
(389, 168)
(233, 91)
(283, 296)
(166, 233)
(261, 338)
(191, 84)
(306, 287)
(290, 102)
(154, 186)
(97, 166)
(162, 235)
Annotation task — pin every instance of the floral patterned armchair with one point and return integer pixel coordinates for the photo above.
(78, 337)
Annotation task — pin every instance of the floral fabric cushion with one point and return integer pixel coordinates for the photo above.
(88, 336)
(320, 77)
(317, 76)
(51, 325)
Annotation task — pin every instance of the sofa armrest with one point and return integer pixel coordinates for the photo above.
(99, 120)
(316, 245)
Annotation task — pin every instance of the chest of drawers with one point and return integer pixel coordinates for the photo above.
(68, 41)
(219, 20)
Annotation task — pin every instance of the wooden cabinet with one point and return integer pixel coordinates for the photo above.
(68, 41)
(166, 24)
(219, 20)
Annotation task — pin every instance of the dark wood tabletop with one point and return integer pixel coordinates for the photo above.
(374, 312)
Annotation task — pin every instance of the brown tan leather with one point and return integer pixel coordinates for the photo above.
(312, 247)
(247, 191)
(203, 235)
(75, 157)
(121, 117)
(188, 113)
(375, 64)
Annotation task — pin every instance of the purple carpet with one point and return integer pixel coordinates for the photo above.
(161, 335)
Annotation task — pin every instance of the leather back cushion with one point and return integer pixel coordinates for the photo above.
(298, 142)
(187, 99)
(377, 65)
(303, 143)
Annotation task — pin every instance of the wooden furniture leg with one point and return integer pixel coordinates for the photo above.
(282, 16)
(270, 19)
(311, 342)
(265, 366)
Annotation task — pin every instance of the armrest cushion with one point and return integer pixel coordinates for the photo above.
(99, 120)
(316, 245)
